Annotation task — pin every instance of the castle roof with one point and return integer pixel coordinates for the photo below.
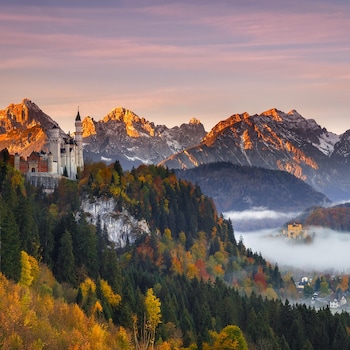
(77, 118)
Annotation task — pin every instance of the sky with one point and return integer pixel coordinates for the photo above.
(170, 61)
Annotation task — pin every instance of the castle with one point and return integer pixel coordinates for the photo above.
(295, 231)
(65, 156)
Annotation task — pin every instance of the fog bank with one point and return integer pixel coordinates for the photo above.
(259, 228)
(329, 250)
(258, 218)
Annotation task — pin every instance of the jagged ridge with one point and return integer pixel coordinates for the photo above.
(24, 128)
(274, 140)
(133, 140)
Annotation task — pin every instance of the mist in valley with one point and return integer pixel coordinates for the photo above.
(329, 250)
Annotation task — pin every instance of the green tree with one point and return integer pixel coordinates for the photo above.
(65, 270)
(10, 249)
(28, 229)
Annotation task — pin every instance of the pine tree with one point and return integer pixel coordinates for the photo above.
(65, 271)
(10, 246)
(28, 229)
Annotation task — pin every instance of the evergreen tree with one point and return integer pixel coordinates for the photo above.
(28, 229)
(65, 271)
(10, 245)
(118, 168)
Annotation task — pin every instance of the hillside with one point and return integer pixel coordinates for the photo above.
(234, 187)
(188, 278)
(336, 218)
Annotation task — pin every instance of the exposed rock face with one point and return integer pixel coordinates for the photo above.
(48, 181)
(275, 140)
(24, 128)
(132, 140)
(121, 227)
(342, 148)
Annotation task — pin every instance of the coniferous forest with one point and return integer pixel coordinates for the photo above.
(188, 284)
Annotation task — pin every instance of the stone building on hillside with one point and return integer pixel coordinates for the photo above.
(295, 231)
(65, 156)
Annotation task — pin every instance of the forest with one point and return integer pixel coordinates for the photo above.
(235, 187)
(188, 284)
(336, 218)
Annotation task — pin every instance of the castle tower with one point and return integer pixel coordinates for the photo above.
(50, 167)
(17, 162)
(55, 149)
(79, 141)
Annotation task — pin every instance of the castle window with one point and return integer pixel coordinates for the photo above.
(33, 170)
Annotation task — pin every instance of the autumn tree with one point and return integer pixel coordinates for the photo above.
(29, 269)
(230, 338)
(146, 337)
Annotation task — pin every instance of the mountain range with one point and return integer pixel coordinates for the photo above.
(272, 141)
(278, 141)
(122, 135)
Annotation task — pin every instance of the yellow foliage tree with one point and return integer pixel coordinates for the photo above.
(29, 269)
(152, 304)
(113, 299)
(146, 337)
(230, 338)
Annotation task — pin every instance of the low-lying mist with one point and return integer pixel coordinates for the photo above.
(328, 251)
(258, 218)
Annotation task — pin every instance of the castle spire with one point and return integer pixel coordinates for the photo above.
(77, 118)
(79, 141)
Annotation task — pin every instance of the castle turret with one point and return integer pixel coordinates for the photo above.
(55, 147)
(79, 142)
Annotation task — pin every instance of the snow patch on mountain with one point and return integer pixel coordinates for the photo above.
(326, 143)
(122, 227)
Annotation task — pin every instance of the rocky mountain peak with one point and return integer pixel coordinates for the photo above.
(194, 121)
(23, 115)
(123, 135)
(274, 113)
(88, 125)
(122, 115)
(24, 127)
(134, 125)
(222, 125)
(273, 140)
(342, 148)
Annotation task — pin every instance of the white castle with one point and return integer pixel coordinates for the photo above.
(65, 156)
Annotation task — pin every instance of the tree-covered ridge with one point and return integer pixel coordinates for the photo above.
(336, 218)
(235, 187)
(189, 284)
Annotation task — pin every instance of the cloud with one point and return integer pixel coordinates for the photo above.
(258, 213)
(258, 218)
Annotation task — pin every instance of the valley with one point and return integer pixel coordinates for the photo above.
(199, 244)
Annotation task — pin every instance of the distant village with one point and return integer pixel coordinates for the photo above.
(336, 301)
